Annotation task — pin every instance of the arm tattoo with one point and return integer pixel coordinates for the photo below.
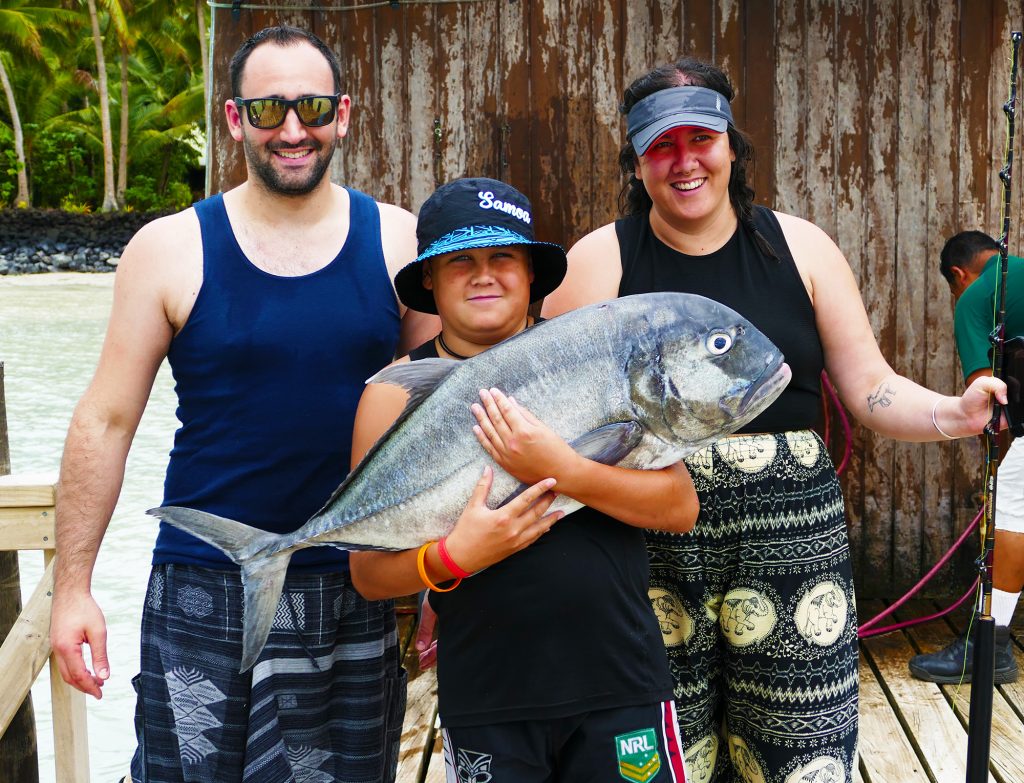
(882, 397)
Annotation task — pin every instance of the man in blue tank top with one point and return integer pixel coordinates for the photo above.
(969, 262)
(272, 303)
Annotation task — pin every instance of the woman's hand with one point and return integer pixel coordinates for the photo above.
(973, 410)
(521, 444)
(483, 536)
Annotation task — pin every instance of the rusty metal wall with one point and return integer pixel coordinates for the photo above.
(879, 120)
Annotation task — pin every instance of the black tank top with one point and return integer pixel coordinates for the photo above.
(766, 291)
(560, 628)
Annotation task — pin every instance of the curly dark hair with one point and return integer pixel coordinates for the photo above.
(634, 199)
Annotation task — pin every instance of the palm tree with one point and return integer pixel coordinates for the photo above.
(117, 20)
(163, 108)
(164, 44)
(122, 153)
(23, 198)
(168, 104)
(22, 30)
(204, 50)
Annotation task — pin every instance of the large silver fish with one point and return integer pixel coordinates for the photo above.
(640, 381)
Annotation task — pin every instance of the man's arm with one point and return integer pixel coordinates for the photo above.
(102, 427)
(398, 237)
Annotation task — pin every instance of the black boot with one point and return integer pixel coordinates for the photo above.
(955, 661)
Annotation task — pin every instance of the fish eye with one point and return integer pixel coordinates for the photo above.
(718, 343)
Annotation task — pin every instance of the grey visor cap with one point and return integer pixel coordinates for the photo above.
(674, 108)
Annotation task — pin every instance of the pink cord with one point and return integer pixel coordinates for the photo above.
(862, 632)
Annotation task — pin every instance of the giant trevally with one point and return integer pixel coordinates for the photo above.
(640, 381)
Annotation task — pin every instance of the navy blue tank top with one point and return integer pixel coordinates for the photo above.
(766, 291)
(268, 371)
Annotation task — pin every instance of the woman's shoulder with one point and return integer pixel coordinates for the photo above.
(809, 243)
(803, 232)
(596, 240)
(595, 269)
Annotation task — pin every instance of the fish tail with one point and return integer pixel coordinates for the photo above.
(262, 583)
(262, 568)
(235, 539)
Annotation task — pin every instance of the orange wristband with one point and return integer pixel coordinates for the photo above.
(421, 566)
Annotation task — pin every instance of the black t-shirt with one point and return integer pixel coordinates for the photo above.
(561, 628)
(766, 291)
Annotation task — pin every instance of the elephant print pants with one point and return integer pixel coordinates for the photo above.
(757, 610)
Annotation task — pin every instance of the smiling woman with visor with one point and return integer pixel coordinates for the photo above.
(757, 603)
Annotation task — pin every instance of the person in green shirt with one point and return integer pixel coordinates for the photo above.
(969, 262)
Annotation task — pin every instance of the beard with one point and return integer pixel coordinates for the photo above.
(260, 160)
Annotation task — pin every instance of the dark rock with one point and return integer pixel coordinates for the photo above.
(37, 240)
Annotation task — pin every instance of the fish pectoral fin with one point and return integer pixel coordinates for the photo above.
(418, 378)
(262, 583)
(609, 444)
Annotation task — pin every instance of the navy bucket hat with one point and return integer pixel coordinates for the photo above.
(477, 212)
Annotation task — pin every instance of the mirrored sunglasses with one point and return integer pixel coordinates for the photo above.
(314, 111)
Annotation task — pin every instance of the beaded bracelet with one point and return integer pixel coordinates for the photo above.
(421, 557)
(449, 563)
(936, 423)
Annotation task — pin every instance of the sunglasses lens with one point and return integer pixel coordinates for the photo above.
(266, 112)
(315, 111)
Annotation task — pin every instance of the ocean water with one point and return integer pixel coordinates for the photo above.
(51, 331)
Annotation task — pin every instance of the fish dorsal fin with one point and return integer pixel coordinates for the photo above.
(418, 378)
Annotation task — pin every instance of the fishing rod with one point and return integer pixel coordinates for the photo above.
(979, 732)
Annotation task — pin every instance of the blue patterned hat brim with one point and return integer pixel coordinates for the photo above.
(473, 236)
(549, 263)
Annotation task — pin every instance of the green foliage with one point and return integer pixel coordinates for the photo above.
(54, 78)
(9, 166)
(143, 195)
(68, 204)
(64, 167)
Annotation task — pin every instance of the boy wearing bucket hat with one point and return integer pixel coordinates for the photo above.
(551, 665)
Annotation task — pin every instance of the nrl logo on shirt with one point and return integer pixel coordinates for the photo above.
(638, 755)
(474, 767)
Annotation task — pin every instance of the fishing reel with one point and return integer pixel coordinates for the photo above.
(1013, 374)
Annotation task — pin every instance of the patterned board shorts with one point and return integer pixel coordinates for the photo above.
(757, 610)
(323, 703)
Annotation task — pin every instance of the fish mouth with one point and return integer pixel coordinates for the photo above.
(778, 376)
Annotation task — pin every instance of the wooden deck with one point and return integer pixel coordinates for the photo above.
(915, 731)
(910, 731)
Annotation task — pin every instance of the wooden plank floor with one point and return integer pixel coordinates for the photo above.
(910, 731)
(914, 731)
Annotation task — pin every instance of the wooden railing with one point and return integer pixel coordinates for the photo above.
(26, 523)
